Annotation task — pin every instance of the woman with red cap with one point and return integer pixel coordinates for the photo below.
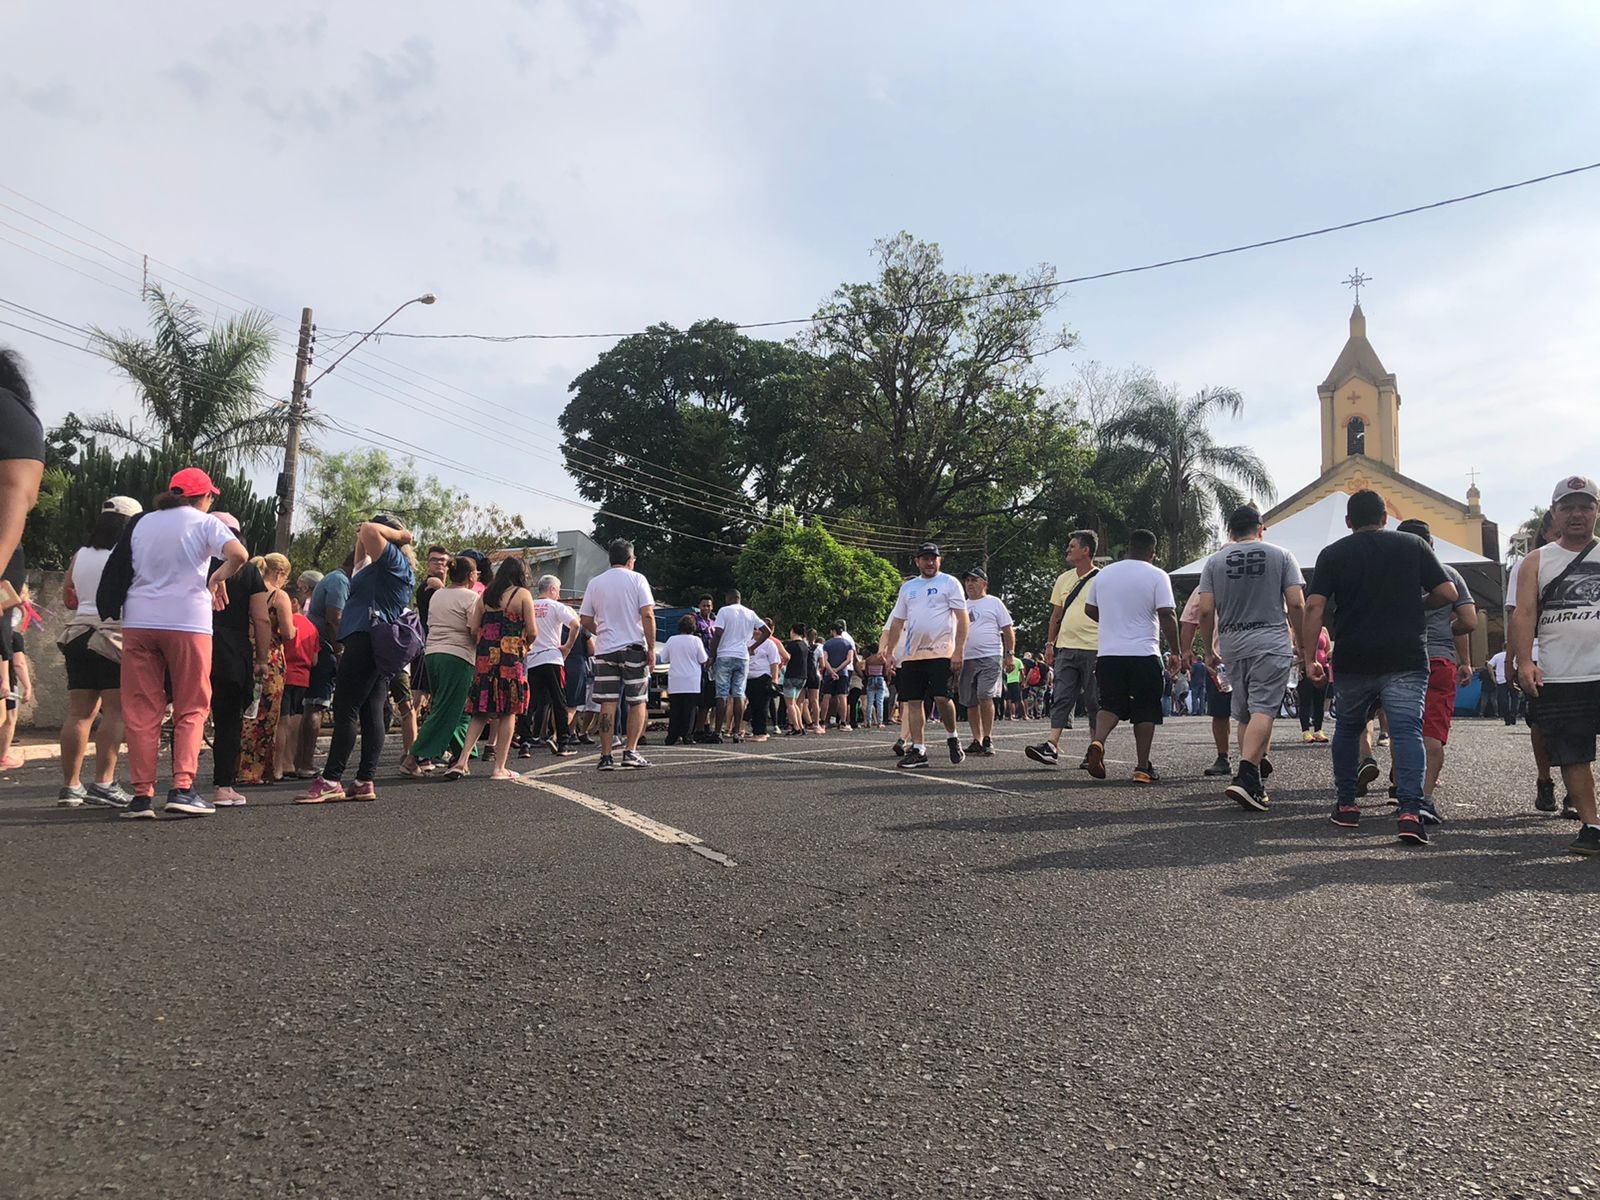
(166, 633)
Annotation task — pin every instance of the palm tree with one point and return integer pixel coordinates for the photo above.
(198, 385)
(1162, 447)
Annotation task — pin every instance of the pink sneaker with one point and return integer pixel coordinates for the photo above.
(363, 791)
(227, 797)
(320, 792)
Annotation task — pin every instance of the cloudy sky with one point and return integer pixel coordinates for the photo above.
(595, 165)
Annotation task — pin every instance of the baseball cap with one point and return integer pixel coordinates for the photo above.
(192, 481)
(928, 548)
(126, 505)
(228, 519)
(1575, 485)
(976, 573)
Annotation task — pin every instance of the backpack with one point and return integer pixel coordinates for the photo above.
(396, 644)
(117, 576)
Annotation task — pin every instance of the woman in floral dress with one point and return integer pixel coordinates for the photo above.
(504, 622)
(258, 761)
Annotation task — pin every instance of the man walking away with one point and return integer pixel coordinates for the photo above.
(730, 652)
(1252, 599)
(1558, 601)
(1449, 666)
(927, 636)
(1132, 602)
(620, 610)
(991, 652)
(1071, 646)
(1381, 583)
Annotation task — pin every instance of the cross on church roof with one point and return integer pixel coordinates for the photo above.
(1473, 476)
(1355, 281)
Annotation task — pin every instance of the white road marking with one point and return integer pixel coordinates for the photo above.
(638, 822)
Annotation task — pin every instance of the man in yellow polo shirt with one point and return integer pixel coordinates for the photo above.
(1071, 646)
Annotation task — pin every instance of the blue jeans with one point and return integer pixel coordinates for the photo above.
(728, 673)
(877, 693)
(1402, 694)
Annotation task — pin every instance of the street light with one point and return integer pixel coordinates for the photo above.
(297, 412)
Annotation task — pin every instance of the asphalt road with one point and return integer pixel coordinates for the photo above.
(978, 981)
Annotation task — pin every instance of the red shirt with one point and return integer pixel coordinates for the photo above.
(301, 653)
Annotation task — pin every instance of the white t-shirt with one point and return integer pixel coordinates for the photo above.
(450, 624)
(764, 657)
(172, 553)
(989, 616)
(1511, 586)
(928, 607)
(1498, 665)
(684, 655)
(738, 625)
(553, 617)
(1128, 593)
(88, 564)
(614, 598)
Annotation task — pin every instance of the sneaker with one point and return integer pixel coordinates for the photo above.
(1346, 816)
(140, 806)
(1383, 740)
(1094, 760)
(1429, 811)
(525, 752)
(1308, 737)
(564, 750)
(1568, 813)
(585, 740)
(1266, 769)
(1044, 754)
(617, 743)
(975, 748)
(711, 739)
(72, 797)
(1249, 794)
(1545, 797)
(633, 760)
(1411, 830)
(321, 791)
(1587, 843)
(1319, 737)
(188, 802)
(899, 747)
(607, 763)
(1220, 767)
(1146, 774)
(365, 789)
(957, 754)
(227, 797)
(554, 743)
(915, 760)
(108, 795)
(986, 750)
(1366, 775)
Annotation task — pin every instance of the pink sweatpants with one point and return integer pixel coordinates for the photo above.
(149, 657)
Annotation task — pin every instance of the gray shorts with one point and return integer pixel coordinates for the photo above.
(980, 680)
(1259, 683)
(1074, 678)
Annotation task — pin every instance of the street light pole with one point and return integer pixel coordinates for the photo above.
(297, 411)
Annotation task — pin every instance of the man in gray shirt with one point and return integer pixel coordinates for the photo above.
(1252, 595)
(1449, 638)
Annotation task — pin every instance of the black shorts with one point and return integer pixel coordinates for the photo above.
(923, 679)
(88, 671)
(708, 693)
(1131, 687)
(1569, 718)
(839, 686)
(294, 700)
(1219, 704)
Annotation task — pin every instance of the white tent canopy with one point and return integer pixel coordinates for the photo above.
(1306, 532)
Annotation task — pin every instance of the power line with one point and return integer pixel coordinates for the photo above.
(1028, 289)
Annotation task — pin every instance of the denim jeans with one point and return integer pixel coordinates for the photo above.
(1402, 694)
(877, 694)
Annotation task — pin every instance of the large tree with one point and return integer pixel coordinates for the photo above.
(931, 412)
(199, 385)
(680, 436)
(1177, 474)
(793, 572)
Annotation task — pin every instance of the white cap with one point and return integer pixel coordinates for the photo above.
(126, 505)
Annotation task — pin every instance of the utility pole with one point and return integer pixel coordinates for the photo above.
(291, 449)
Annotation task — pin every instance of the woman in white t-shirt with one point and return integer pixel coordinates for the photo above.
(166, 635)
(685, 656)
(94, 681)
(547, 700)
(448, 656)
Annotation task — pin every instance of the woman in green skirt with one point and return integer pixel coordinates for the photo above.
(451, 650)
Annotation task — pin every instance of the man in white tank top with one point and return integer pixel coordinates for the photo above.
(1558, 601)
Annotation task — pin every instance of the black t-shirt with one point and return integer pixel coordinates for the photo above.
(799, 656)
(1376, 581)
(232, 658)
(21, 434)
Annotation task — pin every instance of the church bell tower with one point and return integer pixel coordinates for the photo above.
(1360, 404)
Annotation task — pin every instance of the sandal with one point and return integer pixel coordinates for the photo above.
(456, 771)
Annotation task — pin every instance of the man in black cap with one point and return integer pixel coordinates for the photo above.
(991, 647)
(927, 639)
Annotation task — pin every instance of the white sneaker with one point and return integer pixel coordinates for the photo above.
(227, 797)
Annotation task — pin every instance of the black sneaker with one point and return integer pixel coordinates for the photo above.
(915, 760)
(1411, 830)
(1545, 797)
(1346, 816)
(1248, 793)
(986, 750)
(1429, 812)
(1587, 843)
(607, 763)
(1568, 813)
(1044, 754)
(142, 806)
(525, 752)
(1266, 768)
(583, 739)
(957, 754)
(1366, 775)
(976, 747)
(900, 747)
(1220, 767)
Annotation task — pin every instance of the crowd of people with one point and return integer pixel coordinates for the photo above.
(173, 624)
